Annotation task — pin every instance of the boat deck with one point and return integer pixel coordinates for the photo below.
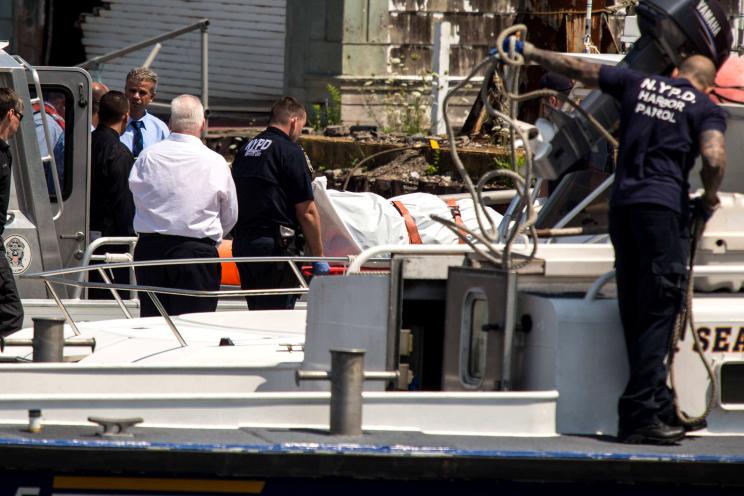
(376, 456)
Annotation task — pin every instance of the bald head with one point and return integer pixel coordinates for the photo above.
(98, 90)
(701, 71)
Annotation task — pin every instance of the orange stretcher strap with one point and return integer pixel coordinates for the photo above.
(230, 275)
(455, 211)
(413, 235)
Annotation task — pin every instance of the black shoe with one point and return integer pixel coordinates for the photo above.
(656, 432)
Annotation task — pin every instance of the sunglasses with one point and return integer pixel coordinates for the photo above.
(18, 114)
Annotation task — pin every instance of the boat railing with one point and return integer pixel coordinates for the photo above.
(89, 255)
(75, 276)
(700, 271)
(70, 277)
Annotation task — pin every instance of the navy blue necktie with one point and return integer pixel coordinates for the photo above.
(138, 142)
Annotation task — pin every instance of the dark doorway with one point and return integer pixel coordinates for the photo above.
(65, 37)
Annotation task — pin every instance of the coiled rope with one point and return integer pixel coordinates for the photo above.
(684, 317)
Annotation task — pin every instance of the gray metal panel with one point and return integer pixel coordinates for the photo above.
(29, 200)
(30, 204)
(246, 46)
(77, 133)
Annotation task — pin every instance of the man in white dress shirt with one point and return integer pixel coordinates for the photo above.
(143, 129)
(185, 201)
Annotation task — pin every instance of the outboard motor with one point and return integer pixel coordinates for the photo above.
(671, 31)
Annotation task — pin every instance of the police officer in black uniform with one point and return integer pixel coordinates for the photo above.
(275, 203)
(11, 112)
(665, 123)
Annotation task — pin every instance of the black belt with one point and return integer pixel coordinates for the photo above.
(208, 241)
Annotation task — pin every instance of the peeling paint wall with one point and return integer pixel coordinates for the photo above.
(355, 44)
(387, 44)
(314, 46)
(406, 27)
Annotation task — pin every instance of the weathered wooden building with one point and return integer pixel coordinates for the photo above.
(378, 52)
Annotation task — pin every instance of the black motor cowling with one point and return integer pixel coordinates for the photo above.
(684, 28)
(671, 31)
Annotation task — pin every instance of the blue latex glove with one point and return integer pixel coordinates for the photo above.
(518, 45)
(321, 268)
(701, 209)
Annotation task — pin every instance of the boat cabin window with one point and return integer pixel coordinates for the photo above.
(732, 384)
(474, 339)
(58, 106)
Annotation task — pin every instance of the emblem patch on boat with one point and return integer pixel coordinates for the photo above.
(18, 252)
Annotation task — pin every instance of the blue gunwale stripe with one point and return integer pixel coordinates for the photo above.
(376, 450)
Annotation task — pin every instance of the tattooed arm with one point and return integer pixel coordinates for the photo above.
(571, 67)
(713, 152)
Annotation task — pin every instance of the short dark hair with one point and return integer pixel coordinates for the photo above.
(556, 82)
(112, 107)
(284, 109)
(9, 100)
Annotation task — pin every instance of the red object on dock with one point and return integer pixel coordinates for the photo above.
(730, 81)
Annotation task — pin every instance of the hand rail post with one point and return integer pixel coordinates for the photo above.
(205, 73)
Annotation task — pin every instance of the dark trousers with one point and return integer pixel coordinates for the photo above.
(266, 275)
(205, 277)
(651, 255)
(11, 310)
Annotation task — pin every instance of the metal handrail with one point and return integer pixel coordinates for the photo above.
(183, 261)
(202, 24)
(57, 277)
(700, 271)
(47, 135)
(585, 202)
(93, 246)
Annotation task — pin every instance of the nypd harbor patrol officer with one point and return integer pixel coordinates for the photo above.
(275, 202)
(11, 311)
(665, 123)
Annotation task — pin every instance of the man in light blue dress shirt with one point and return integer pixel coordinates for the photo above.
(143, 129)
(55, 123)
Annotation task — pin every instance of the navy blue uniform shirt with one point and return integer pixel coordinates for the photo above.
(661, 120)
(271, 176)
